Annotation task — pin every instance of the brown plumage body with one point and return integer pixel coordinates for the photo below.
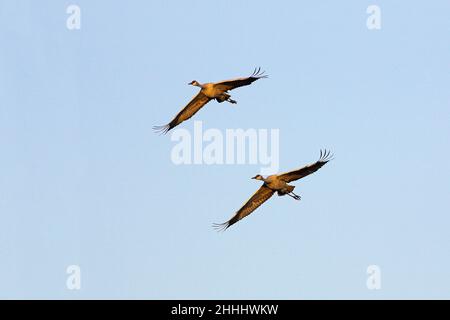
(275, 183)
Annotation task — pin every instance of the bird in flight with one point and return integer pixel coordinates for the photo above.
(209, 91)
(275, 183)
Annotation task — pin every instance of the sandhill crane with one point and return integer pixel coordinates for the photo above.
(209, 91)
(275, 183)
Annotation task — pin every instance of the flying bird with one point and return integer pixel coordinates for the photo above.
(209, 91)
(275, 183)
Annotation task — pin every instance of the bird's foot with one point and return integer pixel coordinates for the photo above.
(232, 101)
(293, 195)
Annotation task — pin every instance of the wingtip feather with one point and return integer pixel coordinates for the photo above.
(162, 129)
(221, 227)
(325, 155)
(257, 73)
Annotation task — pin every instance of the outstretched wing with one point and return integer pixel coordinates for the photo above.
(325, 156)
(192, 107)
(254, 202)
(240, 82)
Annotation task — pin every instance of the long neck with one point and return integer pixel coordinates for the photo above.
(198, 84)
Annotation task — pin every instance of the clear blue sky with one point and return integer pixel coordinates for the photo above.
(85, 181)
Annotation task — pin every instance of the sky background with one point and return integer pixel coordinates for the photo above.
(85, 181)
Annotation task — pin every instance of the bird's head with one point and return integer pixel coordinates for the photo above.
(194, 83)
(258, 177)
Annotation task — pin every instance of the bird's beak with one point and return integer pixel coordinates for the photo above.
(254, 177)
